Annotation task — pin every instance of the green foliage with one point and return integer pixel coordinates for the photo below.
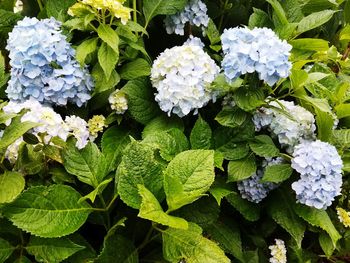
(277, 173)
(5, 250)
(135, 69)
(263, 146)
(241, 169)
(11, 185)
(201, 135)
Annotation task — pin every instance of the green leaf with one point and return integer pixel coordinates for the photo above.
(248, 210)
(101, 82)
(114, 140)
(85, 48)
(52, 249)
(213, 33)
(318, 218)
(97, 191)
(241, 169)
(201, 134)
(162, 123)
(11, 185)
(150, 209)
(152, 8)
(220, 189)
(191, 246)
(139, 166)
(326, 244)
(51, 211)
(312, 44)
(117, 249)
(343, 110)
(281, 210)
(188, 176)
(314, 20)
(7, 21)
(135, 69)
(248, 98)
(109, 36)
(259, 18)
(277, 7)
(325, 124)
(58, 9)
(277, 173)
(263, 146)
(107, 58)
(88, 164)
(231, 117)
(142, 106)
(234, 150)
(228, 236)
(6, 250)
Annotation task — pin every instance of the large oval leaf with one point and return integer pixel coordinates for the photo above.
(11, 185)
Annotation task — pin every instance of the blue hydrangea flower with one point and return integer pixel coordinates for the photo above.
(43, 66)
(257, 50)
(195, 13)
(320, 166)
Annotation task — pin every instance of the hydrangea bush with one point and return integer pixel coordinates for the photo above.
(174, 131)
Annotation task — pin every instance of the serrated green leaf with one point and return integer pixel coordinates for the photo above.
(318, 218)
(234, 150)
(152, 8)
(107, 58)
(82, 256)
(139, 166)
(135, 69)
(97, 191)
(277, 7)
(6, 250)
(188, 176)
(213, 33)
(88, 164)
(343, 110)
(150, 209)
(314, 20)
(109, 36)
(7, 21)
(114, 140)
(259, 18)
(101, 82)
(11, 185)
(325, 124)
(162, 123)
(201, 134)
(87, 47)
(281, 210)
(58, 9)
(220, 189)
(241, 169)
(248, 210)
(228, 236)
(190, 245)
(52, 249)
(277, 173)
(51, 211)
(312, 44)
(231, 117)
(263, 146)
(326, 244)
(248, 98)
(142, 106)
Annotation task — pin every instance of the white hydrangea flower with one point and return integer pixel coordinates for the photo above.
(182, 76)
(291, 127)
(118, 101)
(12, 150)
(278, 252)
(79, 128)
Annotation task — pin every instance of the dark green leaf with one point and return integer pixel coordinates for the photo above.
(241, 169)
(135, 69)
(277, 173)
(201, 134)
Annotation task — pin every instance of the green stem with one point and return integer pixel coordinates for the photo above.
(147, 238)
(111, 202)
(222, 15)
(40, 4)
(108, 220)
(134, 6)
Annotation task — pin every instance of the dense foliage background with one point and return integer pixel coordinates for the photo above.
(149, 187)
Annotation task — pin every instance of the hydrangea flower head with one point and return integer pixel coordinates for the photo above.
(118, 101)
(79, 128)
(278, 252)
(195, 13)
(182, 76)
(290, 125)
(43, 66)
(319, 165)
(96, 125)
(257, 50)
(344, 216)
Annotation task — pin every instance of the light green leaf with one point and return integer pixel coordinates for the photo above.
(220, 189)
(107, 58)
(234, 150)
(228, 236)
(135, 69)
(263, 146)
(241, 169)
(114, 140)
(162, 123)
(259, 18)
(325, 124)
(326, 244)
(201, 134)
(313, 44)
(89, 165)
(58, 9)
(279, 11)
(52, 249)
(152, 8)
(248, 98)
(150, 209)
(6, 250)
(190, 245)
(101, 82)
(97, 191)
(213, 33)
(51, 211)
(139, 166)
(231, 117)
(248, 210)
(314, 20)
(343, 110)
(277, 173)
(85, 48)
(318, 218)
(109, 36)
(188, 176)
(11, 185)
(142, 106)
(281, 210)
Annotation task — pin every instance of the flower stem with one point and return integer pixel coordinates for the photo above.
(40, 4)
(134, 6)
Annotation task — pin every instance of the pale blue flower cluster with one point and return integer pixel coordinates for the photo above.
(182, 76)
(257, 50)
(43, 66)
(195, 13)
(320, 167)
(252, 188)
